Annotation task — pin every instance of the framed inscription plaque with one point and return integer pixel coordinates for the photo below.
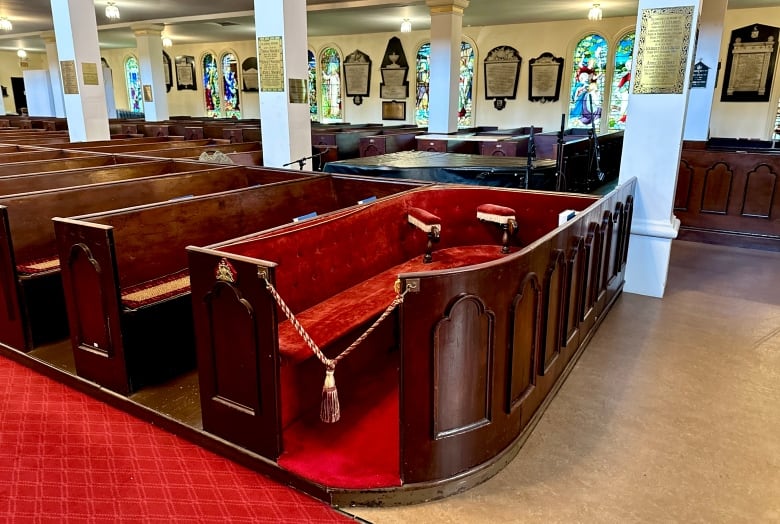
(357, 75)
(394, 69)
(70, 80)
(185, 73)
(502, 71)
(249, 74)
(544, 78)
(393, 110)
(271, 58)
(750, 64)
(662, 50)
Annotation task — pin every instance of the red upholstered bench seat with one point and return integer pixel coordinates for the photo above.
(157, 290)
(359, 305)
(41, 265)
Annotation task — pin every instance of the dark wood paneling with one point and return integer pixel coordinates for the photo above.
(717, 189)
(554, 305)
(524, 349)
(759, 193)
(683, 194)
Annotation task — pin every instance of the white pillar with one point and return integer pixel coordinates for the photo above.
(148, 39)
(446, 29)
(54, 73)
(654, 132)
(697, 120)
(282, 60)
(78, 51)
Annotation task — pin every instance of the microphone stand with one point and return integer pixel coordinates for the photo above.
(596, 148)
(560, 184)
(302, 161)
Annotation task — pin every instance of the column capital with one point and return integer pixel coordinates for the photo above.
(147, 29)
(447, 6)
(48, 37)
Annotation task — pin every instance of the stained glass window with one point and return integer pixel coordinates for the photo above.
(330, 67)
(587, 82)
(211, 91)
(134, 93)
(230, 85)
(312, 87)
(423, 82)
(465, 85)
(621, 81)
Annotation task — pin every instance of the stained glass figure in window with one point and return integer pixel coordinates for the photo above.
(330, 67)
(134, 93)
(422, 86)
(621, 82)
(465, 84)
(312, 86)
(230, 85)
(587, 82)
(211, 91)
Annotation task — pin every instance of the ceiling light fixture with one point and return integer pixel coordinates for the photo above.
(406, 26)
(167, 42)
(21, 53)
(5, 24)
(112, 11)
(595, 12)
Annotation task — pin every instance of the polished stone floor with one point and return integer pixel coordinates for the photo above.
(672, 414)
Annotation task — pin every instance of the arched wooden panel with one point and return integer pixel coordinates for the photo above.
(554, 304)
(717, 189)
(93, 333)
(759, 192)
(462, 374)
(524, 347)
(606, 249)
(592, 258)
(231, 328)
(684, 179)
(628, 212)
(575, 272)
(616, 253)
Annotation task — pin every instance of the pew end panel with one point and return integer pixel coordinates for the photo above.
(14, 330)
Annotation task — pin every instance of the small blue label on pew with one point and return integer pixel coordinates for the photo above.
(366, 200)
(305, 217)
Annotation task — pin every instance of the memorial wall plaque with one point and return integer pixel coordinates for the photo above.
(750, 64)
(394, 69)
(357, 75)
(185, 73)
(249, 74)
(148, 93)
(70, 80)
(662, 50)
(298, 89)
(393, 110)
(271, 57)
(700, 73)
(544, 78)
(89, 74)
(502, 71)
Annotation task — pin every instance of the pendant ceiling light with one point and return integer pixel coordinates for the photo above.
(595, 12)
(112, 11)
(167, 42)
(5, 24)
(406, 26)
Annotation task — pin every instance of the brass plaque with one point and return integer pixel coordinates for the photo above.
(70, 80)
(270, 55)
(662, 50)
(148, 93)
(299, 90)
(89, 73)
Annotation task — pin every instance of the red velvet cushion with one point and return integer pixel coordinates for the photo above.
(41, 265)
(493, 209)
(429, 219)
(157, 290)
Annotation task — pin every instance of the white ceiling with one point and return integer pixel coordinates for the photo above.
(194, 21)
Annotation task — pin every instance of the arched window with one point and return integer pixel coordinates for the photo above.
(230, 85)
(330, 67)
(423, 84)
(587, 82)
(465, 85)
(621, 82)
(211, 92)
(133, 77)
(312, 86)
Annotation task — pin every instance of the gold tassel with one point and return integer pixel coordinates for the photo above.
(329, 409)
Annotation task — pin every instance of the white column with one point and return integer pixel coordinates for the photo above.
(54, 73)
(697, 121)
(148, 39)
(78, 51)
(446, 29)
(653, 137)
(283, 64)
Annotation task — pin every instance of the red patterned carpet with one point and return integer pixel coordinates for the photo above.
(66, 457)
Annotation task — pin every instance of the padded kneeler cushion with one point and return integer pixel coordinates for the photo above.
(494, 213)
(424, 220)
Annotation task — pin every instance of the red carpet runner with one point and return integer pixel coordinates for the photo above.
(66, 457)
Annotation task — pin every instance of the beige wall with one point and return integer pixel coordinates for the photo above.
(10, 67)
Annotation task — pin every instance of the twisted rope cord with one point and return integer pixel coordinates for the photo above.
(329, 363)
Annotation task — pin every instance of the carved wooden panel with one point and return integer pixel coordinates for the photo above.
(575, 271)
(93, 332)
(759, 192)
(554, 303)
(606, 250)
(592, 258)
(233, 349)
(523, 350)
(628, 217)
(717, 189)
(462, 359)
(617, 239)
(683, 194)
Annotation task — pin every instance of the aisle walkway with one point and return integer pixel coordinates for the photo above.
(671, 415)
